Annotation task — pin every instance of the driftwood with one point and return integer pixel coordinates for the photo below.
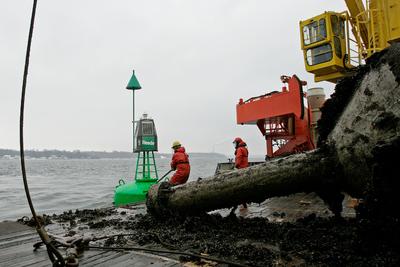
(358, 154)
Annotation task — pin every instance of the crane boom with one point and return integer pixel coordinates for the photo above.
(355, 8)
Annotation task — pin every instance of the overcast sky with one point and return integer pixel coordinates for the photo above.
(194, 60)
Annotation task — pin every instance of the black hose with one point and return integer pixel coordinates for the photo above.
(230, 263)
(21, 114)
(54, 255)
(164, 176)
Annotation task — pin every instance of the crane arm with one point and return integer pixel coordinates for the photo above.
(357, 8)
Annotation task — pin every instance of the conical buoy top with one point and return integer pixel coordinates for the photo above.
(133, 83)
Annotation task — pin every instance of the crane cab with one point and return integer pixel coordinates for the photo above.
(324, 44)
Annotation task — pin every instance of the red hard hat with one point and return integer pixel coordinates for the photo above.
(237, 140)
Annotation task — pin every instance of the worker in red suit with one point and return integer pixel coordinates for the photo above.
(241, 157)
(241, 153)
(180, 163)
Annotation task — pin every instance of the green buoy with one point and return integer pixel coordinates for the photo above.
(144, 145)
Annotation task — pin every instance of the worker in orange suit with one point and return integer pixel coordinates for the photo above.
(180, 163)
(241, 157)
(241, 153)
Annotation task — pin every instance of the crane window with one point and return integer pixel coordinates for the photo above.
(319, 54)
(341, 25)
(335, 25)
(338, 47)
(314, 32)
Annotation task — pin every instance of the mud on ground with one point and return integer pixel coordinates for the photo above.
(310, 241)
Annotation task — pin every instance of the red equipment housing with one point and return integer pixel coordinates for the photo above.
(281, 118)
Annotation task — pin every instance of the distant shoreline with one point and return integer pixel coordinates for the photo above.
(77, 154)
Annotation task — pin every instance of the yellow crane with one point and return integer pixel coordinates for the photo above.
(331, 52)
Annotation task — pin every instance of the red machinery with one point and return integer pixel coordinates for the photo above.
(281, 118)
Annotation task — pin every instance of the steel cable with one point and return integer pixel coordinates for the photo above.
(54, 255)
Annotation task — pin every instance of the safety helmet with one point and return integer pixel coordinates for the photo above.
(237, 140)
(176, 144)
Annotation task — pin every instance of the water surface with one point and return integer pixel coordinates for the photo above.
(57, 185)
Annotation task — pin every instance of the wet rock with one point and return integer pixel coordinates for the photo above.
(71, 233)
(43, 220)
(85, 215)
(72, 223)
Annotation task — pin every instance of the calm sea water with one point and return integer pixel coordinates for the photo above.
(59, 185)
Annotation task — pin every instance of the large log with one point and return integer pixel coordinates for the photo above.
(301, 172)
(360, 140)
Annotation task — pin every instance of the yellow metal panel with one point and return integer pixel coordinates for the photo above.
(393, 17)
(379, 23)
(332, 77)
(325, 68)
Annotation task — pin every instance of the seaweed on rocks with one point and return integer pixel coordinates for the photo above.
(334, 106)
(84, 215)
(368, 136)
(257, 242)
(309, 241)
(346, 87)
